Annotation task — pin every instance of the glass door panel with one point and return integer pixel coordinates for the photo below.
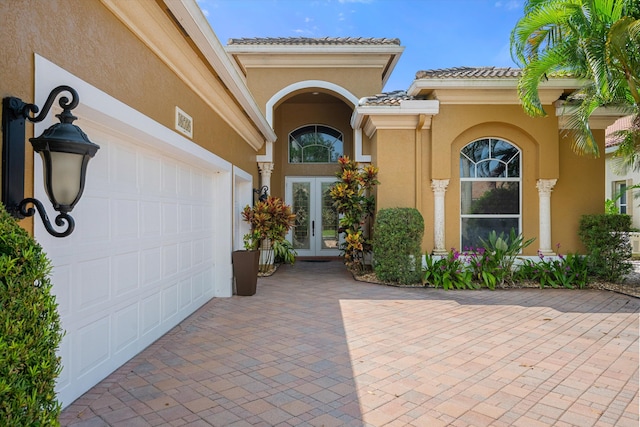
(330, 220)
(317, 222)
(301, 205)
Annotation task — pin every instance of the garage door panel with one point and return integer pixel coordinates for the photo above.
(169, 261)
(197, 286)
(197, 216)
(97, 208)
(124, 170)
(126, 274)
(184, 289)
(151, 218)
(170, 302)
(61, 278)
(169, 218)
(151, 175)
(150, 313)
(184, 183)
(124, 219)
(92, 345)
(93, 282)
(169, 179)
(185, 218)
(196, 185)
(184, 255)
(125, 327)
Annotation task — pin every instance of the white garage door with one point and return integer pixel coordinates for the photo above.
(141, 258)
(152, 241)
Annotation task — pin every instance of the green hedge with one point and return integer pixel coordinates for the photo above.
(397, 245)
(30, 331)
(606, 238)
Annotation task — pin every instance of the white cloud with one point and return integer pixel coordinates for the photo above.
(205, 12)
(509, 4)
(341, 16)
(355, 1)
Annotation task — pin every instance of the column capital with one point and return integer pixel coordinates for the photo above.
(545, 186)
(265, 167)
(439, 185)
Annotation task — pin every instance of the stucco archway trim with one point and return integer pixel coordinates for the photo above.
(306, 84)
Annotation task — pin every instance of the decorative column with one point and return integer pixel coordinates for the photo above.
(266, 252)
(545, 186)
(265, 169)
(439, 187)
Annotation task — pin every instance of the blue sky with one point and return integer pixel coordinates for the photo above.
(435, 33)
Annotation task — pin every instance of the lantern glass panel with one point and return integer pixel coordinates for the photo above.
(65, 176)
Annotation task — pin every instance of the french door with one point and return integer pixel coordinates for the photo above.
(316, 231)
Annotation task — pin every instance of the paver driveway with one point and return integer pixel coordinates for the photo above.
(314, 347)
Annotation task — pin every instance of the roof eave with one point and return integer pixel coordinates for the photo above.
(195, 23)
(406, 107)
(419, 85)
(313, 49)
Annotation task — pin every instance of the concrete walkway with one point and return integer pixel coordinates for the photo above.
(314, 347)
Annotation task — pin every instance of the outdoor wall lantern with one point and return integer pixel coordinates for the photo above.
(65, 151)
(262, 192)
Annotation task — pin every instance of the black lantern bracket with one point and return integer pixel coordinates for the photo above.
(262, 193)
(60, 145)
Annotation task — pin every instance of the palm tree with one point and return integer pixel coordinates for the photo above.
(594, 40)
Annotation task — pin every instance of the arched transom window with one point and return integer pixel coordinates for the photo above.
(315, 144)
(490, 190)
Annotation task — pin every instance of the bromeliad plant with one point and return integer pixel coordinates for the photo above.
(488, 266)
(451, 272)
(564, 271)
(492, 264)
(270, 220)
(352, 199)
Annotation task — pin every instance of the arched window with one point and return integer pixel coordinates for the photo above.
(315, 144)
(490, 190)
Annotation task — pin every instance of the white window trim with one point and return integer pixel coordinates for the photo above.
(498, 179)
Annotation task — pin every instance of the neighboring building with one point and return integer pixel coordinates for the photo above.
(617, 183)
(160, 214)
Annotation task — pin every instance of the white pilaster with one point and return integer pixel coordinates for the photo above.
(545, 187)
(439, 187)
(265, 169)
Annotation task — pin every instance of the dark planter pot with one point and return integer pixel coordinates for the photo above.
(245, 270)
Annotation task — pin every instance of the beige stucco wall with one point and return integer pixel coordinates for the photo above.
(579, 191)
(544, 156)
(395, 154)
(86, 39)
(290, 116)
(266, 82)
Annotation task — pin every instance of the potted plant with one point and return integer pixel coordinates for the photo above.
(270, 220)
(245, 265)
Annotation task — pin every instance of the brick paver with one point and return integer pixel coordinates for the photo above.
(314, 347)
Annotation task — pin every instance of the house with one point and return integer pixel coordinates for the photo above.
(188, 128)
(619, 183)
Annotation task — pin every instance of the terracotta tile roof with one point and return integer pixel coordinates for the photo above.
(308, 41)
(469, 72)
(611, 136)
(386, 98)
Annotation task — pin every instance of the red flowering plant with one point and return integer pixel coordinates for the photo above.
(352, 199)
(270, 221)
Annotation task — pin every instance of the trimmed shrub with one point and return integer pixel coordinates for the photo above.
(30, 331)
(397, 245)
(606, 238)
